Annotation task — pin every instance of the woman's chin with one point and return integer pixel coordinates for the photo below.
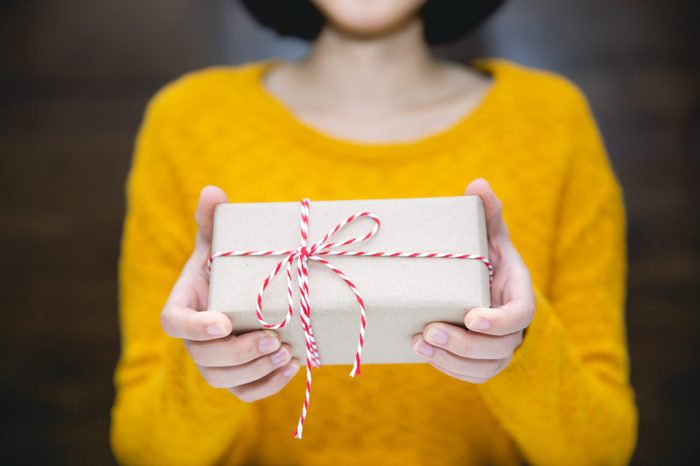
(369, 20)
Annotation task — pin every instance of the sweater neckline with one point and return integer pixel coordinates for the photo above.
(283, 118)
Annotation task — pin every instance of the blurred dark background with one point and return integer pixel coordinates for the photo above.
(75, 76)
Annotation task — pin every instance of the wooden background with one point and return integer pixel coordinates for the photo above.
(75, 76)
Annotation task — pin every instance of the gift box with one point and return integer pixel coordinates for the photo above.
(426, 280)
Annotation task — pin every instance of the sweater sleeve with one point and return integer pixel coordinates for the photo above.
(566, 397)
(164, 411)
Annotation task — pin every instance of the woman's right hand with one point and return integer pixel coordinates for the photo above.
(253, 365)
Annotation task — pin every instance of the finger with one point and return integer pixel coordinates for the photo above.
(181, 322)
(468, 378)
(514, 316)
(460, 342)
(209, 198)
(493, 208)
(477, 368)
(268, 385)
(233, 350)
(233, 376)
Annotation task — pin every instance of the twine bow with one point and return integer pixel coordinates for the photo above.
(302, 255)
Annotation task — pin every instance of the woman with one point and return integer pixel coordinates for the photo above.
(368, 113)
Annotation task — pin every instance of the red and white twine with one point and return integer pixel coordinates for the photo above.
(323, 247)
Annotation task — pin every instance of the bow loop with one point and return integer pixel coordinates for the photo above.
(323, 245)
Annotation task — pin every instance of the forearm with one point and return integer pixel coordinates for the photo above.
(171, 416)
(559, 408)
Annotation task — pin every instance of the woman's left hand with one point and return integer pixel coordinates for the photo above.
(486, 348)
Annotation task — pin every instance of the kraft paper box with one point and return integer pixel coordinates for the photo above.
(401, 294)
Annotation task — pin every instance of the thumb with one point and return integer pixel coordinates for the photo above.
(493, 208)
(209, 198)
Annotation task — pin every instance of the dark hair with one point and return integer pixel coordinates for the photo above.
(444, 20)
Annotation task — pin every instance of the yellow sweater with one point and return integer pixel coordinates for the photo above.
(564, 400)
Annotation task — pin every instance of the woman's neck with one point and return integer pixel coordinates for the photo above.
(378, 89)
(384, 71)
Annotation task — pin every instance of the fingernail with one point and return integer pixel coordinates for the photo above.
(424, 348)
(290, 371)
(436, 336)
(280, 357)
(480, 324)
(216, 330)
(268, 343)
